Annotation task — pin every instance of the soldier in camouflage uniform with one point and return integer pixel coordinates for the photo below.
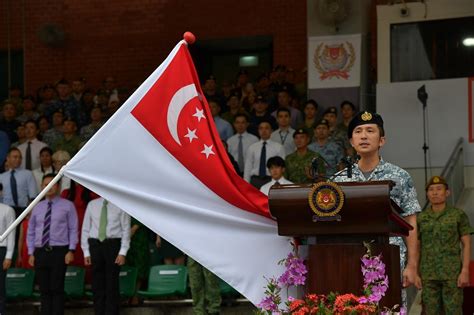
(443, 273)
(366, 135)
(347, 112)
(328, 149)
(298, 163)
(335, 134)
(205, 289)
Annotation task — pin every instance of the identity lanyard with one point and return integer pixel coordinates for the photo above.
(283, 139)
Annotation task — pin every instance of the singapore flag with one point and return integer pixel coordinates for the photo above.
(160, 159)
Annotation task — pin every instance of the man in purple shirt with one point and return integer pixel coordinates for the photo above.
(51, 239)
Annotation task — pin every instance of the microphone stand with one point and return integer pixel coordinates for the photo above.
(423, 97)
(348, 162)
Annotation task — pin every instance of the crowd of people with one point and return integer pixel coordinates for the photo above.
(74, 226)
(273, 136)
(269, 118)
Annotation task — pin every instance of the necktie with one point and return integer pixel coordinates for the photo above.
(262, 171)
(103, 222)
(28, 156)
(47, 225)
(13, 187)
(240, 157)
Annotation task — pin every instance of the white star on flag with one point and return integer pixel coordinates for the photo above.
(199, 114)
(191, 135)
(207, 151)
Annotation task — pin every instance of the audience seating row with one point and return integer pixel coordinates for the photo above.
(163, 281)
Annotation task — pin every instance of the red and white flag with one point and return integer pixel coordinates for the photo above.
(160, 159)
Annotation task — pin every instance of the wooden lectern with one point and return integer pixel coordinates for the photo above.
(334, 258)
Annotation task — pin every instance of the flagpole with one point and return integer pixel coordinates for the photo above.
(32, 205)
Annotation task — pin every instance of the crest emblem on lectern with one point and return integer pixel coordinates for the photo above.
(326, 200)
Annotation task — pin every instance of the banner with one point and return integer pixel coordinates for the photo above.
(334, 61)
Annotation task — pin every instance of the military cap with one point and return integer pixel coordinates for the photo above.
(284, 88)
(70, 118)
(436, 180)
(234, 93)
(260, 98)
(300, 131)
(322, 122)
(364, 118)
(330, 110)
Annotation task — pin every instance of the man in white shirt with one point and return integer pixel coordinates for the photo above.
(239, 143)
(30, 149)
(284, 134)
(105, 241)
(258, 154)
(7, 246)
(276, 166)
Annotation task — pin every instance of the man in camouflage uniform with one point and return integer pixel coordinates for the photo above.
(69, 141)
(367, 136)
(348, 111)
(328, 149)
(298, 163)
(205, 289)
(443, 273)
(335, 134)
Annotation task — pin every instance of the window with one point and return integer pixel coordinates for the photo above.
(432, 50)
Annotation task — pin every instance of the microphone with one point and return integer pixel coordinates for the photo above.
(349, 169)
(348, 161)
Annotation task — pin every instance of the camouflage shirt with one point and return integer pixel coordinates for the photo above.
(403, 193)
(340, 138)
(51, 136)
(297, 166)
(439, 234)
(331, 153)
(70, 145)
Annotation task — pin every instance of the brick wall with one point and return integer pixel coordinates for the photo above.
(128, 39)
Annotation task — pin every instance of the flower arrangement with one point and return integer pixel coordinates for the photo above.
(375, 287)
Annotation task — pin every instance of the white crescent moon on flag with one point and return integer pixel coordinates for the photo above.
(177, 103)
